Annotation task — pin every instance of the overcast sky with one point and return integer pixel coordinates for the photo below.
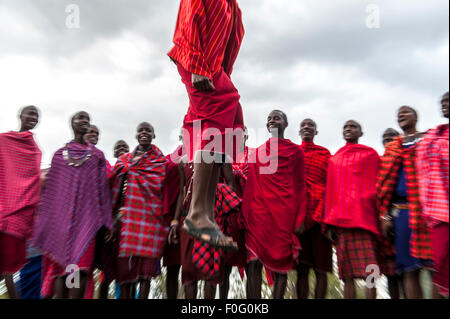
(323, 59)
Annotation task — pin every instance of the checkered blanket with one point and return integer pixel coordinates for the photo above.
(433, 173)
(144, 230)
(205, 257)
(393, 157)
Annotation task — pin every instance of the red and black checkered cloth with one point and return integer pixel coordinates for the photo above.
(355, 249)
(433, 173)
(393, 157)
(205, 257)
(144, 228)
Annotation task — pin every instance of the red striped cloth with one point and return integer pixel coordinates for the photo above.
(432, 164)
(20, 171)
(208, 35)
(351, 193)
(316, 166)
(144, 229)
(393, 157)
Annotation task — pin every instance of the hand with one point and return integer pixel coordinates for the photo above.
(300, 230)
(330, 233)
(387, 228)
(173, 235)
(110, 235)
(202, 83)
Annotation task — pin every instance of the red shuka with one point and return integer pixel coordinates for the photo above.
(208, 35)
(171, 187)
(316, 164)
(351, 188)
(20, 187)
(275, 204)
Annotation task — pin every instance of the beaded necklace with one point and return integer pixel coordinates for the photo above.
(76, 161)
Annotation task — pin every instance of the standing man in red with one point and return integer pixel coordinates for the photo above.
(432, 164)
(316, 250)
(20, 171)
(274, 208)
(351, 212)
(207, 40)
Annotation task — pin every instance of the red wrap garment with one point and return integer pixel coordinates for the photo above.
(316, 165)
(171, 190)
(351, 196)
(275, 204)
(208, 36)
(20, 161)
(20, 187)
(207, 40)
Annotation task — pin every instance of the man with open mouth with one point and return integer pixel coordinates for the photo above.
(402, 220)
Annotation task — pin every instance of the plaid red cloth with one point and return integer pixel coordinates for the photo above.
(20, 161)
(393, 157)
(432, 165)
(316, 165)
(355, 250)
(205, 257)
(144, 229)
(227, 201)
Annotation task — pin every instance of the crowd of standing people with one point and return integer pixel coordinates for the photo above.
(202, 211)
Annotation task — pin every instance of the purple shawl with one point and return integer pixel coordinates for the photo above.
(75, 204)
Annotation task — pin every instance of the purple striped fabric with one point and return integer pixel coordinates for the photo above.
(76, 202)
